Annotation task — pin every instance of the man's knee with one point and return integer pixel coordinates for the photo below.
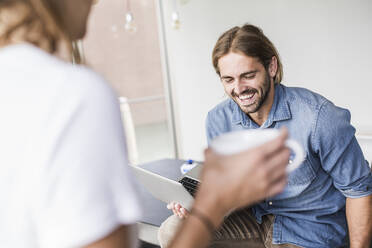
(167, 230)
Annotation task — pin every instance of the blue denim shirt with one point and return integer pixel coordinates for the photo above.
(310, 212)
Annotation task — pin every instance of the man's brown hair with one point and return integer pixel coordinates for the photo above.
(251, 41)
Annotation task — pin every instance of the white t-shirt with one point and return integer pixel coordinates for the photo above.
(64, 179)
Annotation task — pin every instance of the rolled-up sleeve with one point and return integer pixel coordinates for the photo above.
(339, 152)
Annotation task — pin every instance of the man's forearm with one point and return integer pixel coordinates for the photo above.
(250, 181)
(195, 232)
(191, 234)
(359, 220)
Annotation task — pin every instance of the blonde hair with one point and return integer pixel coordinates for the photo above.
(33, 21)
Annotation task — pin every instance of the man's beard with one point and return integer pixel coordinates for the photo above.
(254, 107)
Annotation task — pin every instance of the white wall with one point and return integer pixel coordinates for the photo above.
(129, 61)
(325, 46)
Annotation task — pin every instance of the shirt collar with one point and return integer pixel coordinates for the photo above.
(280, 110)
(281, 106)
(238, 116)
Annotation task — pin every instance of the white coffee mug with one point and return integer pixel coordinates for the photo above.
(238, 141)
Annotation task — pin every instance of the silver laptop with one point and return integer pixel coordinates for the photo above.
(167, 190)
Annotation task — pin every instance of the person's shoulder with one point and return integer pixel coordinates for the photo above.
(45, 69)
(84, 80)
(226, 106)
(304, 102)
(219, 119)
(302, 97)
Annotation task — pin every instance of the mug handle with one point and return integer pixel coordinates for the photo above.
(296, 147)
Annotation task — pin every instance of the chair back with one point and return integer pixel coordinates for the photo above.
(129, 131)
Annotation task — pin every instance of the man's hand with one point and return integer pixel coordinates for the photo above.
(254, 175)
(178, 210)
(230, 182)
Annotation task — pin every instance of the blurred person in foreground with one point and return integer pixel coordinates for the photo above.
(64, 179)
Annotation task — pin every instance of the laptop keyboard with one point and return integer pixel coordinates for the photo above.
(190, 185)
